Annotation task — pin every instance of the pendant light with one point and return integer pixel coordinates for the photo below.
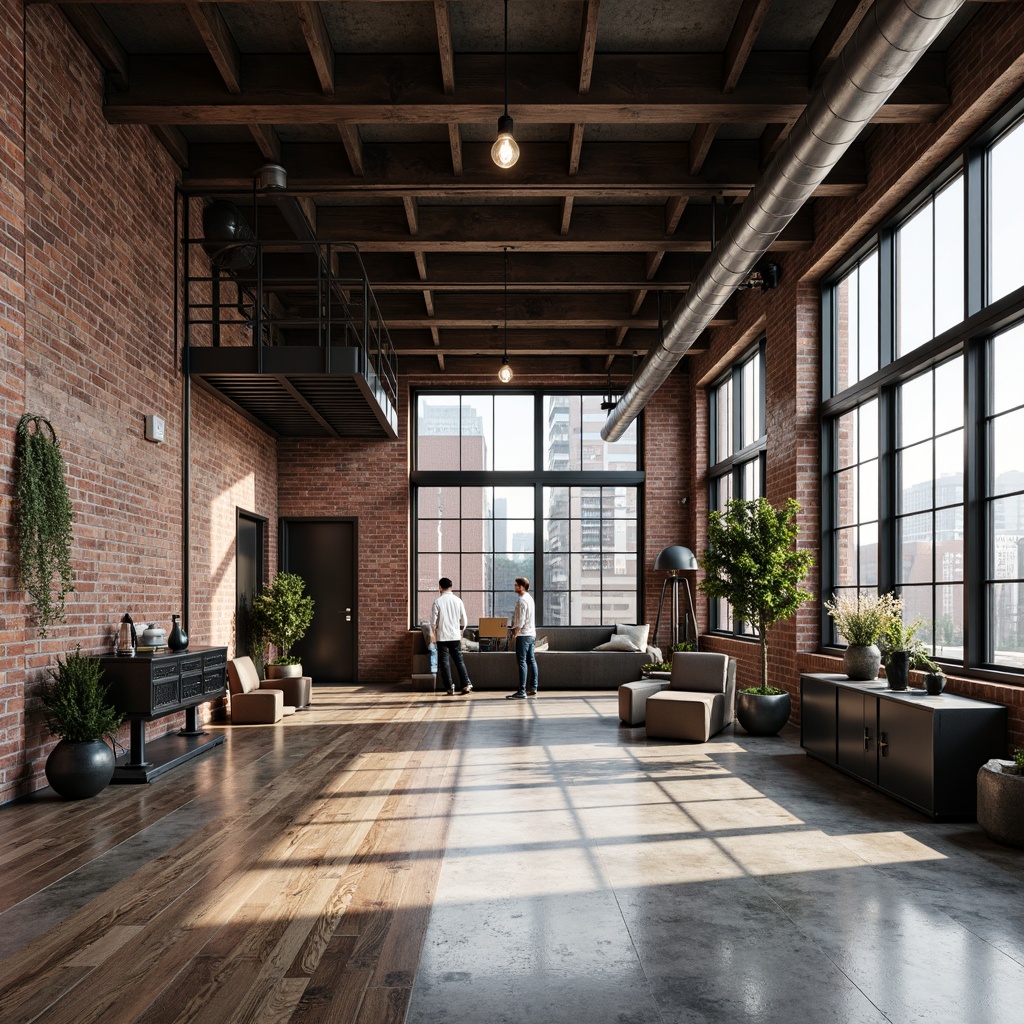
(505, 373)
(505, 151)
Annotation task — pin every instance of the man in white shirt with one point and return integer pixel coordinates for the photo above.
(447, 621)
(524, 632)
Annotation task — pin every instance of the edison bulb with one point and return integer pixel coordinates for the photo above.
(505, 151)
(505, 373)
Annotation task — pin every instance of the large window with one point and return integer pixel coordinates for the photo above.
(924, 484)
(737, 451)
(508, 485)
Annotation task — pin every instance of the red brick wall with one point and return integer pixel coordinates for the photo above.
(89, 208)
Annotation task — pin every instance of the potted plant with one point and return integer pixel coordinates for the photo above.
(281, 616)
(44, 515)
(753, 563)
(76, 709)
(902, 651)
(1001, 799)
(862, 620)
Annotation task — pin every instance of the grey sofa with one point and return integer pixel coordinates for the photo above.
(569, 663)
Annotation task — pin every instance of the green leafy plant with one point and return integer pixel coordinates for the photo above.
(44, 517)
(75, 700)
(282, 614)
(656, 666)
(1018, 760)
(900, 636)
(753, 563)
(683, 645)
(863, 619)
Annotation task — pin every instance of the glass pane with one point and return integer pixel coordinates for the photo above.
(949, 622)
(949, 468)
(723, 491)
(478, 605)
(949, 395)
(477, 502)
(556, 502)
(561, 420)
(442, 502)
(1008, 369)
(1007, 452)
(437, 432)
(869, 491)
(723, 420)
(867, 555)
(513, 432)
(620, 502)
(846, 557)
(915, 552)
(915, 479)
(556, 609)
(845, 344)
(429, 535)
(949, 255)
(846, 440)
(916, 404)
(477, 432)
(867, 347)
(513, 502)
(619, 606)
(1007, 529)
(477, 572)
(750, 476)
(917, 603)
(586, 571)
(1007, 637)
(513, 535)
(847, 509)
(748, 414)
(477, 535)
(867, 422)
(1005, 213)
(507, 568)
(556, 573)
(556, 534)
(429, 569)
(914, 273)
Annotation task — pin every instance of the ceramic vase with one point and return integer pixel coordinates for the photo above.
(77, 771)
(177, 639)
(862, 661)
(897, 669)
(762, 714)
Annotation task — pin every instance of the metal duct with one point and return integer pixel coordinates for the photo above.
(887, 44)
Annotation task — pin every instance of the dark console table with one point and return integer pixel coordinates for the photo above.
(925, 751)
(153, 685)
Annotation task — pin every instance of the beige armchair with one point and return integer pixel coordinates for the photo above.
(256, 701)
(698, 701)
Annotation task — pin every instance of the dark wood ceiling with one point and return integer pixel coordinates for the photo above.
(642, 126)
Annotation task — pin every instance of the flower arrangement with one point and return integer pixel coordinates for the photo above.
(863, 619)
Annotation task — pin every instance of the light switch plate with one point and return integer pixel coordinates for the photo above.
(154, 429)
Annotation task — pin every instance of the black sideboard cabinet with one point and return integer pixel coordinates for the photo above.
(925, 751)
(156, 684)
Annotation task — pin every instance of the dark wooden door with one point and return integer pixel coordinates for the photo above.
(250, 533)
(323, 553)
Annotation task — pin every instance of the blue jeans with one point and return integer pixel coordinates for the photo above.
(527, 663)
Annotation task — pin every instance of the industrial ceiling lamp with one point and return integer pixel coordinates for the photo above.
(505, 373)
(505, 151)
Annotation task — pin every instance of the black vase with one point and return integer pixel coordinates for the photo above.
(77, 771)
(897, 669)
(177, 639)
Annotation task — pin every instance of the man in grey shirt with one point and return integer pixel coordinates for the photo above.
(524, 632)
(447, 621)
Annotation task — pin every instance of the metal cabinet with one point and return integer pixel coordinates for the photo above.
(925, 751)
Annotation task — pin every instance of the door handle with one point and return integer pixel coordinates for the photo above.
(867, 738)
(883, 745)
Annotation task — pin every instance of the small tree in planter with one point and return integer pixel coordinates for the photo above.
(752, 562)
(281, 615)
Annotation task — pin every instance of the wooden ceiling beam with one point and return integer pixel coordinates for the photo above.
(217, 38)
(445, 50)
(318, 40)
(834, 34)
(588, 43)
(88, 23)
(731, 167)
(700, 144)
(267, 141)
(395, 89)
(455, 147)
(486, 229)
(741, 40)
(353, 147)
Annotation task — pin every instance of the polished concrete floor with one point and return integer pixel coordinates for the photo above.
(593, 875)
(395, 857)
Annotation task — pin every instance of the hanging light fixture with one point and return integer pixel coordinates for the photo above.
(505, 151)
(505, 373)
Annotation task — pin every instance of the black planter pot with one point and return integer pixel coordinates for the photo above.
(897, 669)
(762, 714)
(77, 771)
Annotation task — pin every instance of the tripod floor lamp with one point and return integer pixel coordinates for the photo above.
(676, 560)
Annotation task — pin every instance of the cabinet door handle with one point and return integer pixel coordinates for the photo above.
(883, 745)
(867, 738)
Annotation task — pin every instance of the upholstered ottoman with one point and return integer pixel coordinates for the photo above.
(258, 707)
(633, 698)
(297, 690)
(685, 716)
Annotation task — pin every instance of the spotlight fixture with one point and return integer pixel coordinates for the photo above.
(505, 373)
(505, 151)
(610, 398)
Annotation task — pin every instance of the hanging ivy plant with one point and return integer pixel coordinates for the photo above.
(44, 521)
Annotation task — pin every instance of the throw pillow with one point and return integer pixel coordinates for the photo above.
(654, 653)
(618, 643)
(638, 634)
(469, 645)
(541, 644)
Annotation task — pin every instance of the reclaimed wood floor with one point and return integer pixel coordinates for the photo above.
(286, 875)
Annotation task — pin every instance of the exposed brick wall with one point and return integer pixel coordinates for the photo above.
(88, 209)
